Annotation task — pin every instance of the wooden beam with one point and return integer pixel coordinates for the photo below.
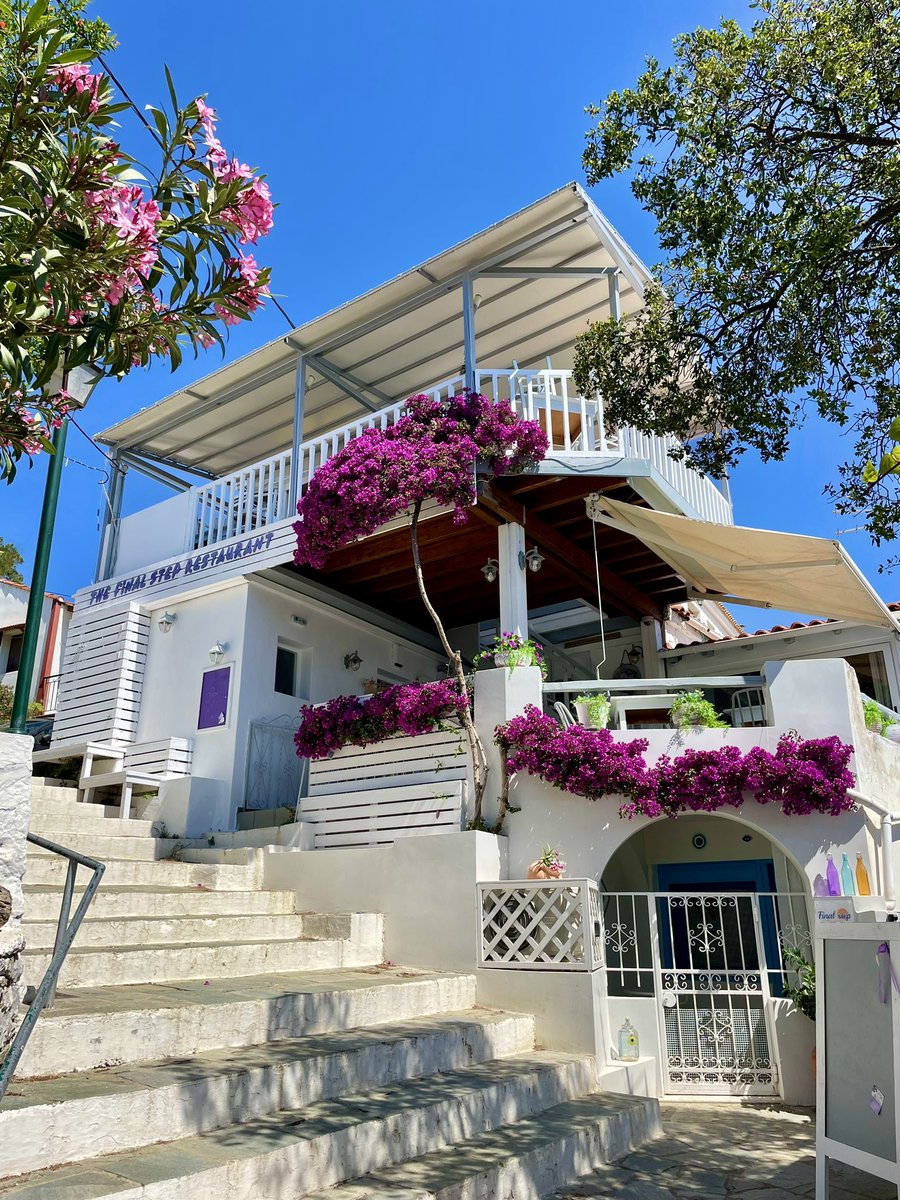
(570, 557)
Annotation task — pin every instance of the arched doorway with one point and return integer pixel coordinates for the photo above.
(698, 915)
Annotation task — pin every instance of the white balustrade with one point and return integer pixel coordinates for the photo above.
(258, 495)
(540, 925)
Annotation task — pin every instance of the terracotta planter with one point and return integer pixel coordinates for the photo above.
(539, 870)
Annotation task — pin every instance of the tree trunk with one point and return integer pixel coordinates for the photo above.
(479, 758)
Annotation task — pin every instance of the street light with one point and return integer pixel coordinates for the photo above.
(79, 382)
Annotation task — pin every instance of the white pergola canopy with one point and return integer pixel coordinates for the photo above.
(752, 566)
(540, 276)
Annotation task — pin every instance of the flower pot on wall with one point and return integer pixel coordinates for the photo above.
(539, 870)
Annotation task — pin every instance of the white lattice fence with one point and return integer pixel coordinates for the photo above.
(540, 925)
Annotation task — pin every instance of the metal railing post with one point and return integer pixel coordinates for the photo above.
(65, 935)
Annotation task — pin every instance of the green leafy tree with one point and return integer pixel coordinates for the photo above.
(769, 160)
(105, 260)
(9, 562)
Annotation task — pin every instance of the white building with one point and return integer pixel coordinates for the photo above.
(190, 654)
(56, 614)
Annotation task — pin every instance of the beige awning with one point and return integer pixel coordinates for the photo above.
(752, 566)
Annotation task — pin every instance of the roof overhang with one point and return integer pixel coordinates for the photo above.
(402, 337)
(752, 566)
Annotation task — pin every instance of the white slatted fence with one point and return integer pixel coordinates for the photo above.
(402, 787)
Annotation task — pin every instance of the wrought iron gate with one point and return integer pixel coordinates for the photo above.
(712, 962)
(275, 775)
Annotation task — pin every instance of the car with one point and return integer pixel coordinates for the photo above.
(41, 729)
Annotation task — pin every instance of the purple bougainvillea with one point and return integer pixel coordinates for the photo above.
(803, 776)
(409, 708)
(430, 453)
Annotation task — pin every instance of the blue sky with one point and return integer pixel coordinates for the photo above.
(389, 132)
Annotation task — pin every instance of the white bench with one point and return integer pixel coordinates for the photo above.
(128, 782)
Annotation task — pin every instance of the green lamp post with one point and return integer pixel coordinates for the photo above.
(79, 382)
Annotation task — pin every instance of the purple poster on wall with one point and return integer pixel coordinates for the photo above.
(214, 698)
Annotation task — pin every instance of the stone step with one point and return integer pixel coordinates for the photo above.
(44, 785)
(116, 932)
(58, 821)
(80, 1116)
(98, 1027)
(523, 1161)
(100, 966)
(42, 903)
(115, 848)
(293, 1151)
(230, 877)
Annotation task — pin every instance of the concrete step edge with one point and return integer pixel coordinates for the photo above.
(335, 1140)
(76, 1117)
(136, 1022)
(516, 1160)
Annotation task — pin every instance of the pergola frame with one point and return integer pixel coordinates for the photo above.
(316, 357)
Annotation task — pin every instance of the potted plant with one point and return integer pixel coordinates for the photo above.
(548, 866)
(875, 718)
(593, 710)
(511, 650)
(802, 994)
(692, 708)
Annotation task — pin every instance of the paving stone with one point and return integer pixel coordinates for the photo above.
(648, 1163)
(768, 1193)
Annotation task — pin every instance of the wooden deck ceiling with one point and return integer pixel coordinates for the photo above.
(634, 581)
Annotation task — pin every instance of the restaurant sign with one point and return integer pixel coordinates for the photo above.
(195, 564)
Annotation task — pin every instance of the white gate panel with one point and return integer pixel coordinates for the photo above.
(713, 962)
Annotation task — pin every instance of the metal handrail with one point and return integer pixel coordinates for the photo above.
(65, 935)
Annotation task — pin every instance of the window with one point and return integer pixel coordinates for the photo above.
(872, 675)
(286, 671)
(14, 652)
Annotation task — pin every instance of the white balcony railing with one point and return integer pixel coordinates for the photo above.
(246, 501)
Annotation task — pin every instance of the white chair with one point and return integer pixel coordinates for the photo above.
(565, 714)
(748, 708)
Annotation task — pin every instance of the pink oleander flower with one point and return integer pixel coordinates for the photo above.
(253, 210)
(79, 79)
(249, 296)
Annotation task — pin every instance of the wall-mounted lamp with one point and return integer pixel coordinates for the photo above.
(477, 299)
(352, 661)
(533, 560)
(217, 653)
(491, 570)
(297, 620)
(165, 622)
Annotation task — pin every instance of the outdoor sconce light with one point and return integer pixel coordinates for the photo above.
(491, 570)
(352, 661)
(166, 621)
(217, 653)
(476, 300)
(533, 560)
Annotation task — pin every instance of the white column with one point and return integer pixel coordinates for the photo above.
(468, 300)
(299, 407)
(651, 644)
(513, 590)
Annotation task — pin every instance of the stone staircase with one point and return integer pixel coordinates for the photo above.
(209, 1041)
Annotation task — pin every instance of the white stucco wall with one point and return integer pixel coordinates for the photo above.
(251, 618)
(173, 676)
(424, 886)
(153, 534)
(15, 811)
